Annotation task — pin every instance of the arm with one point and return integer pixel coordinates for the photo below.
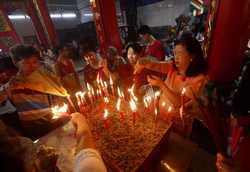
(83, 133)
(162, 67)
(172, 96)
(87, 158)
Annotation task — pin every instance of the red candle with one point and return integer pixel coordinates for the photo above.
(118, 107)
(106, 121)
(182, 102)
(112, 86)
(134, 118)
(133, 108)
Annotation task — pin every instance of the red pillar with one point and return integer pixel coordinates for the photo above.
(230, 36)
(8, 35)
(106, 24)
(32, 12)
(48, 26)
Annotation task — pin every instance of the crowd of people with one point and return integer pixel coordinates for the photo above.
(39, 85)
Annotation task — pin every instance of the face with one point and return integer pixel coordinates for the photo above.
(29, 65)
(145, 37)
(182, 58)
(132, 56)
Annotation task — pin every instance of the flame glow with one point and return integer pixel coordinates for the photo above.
(131, 91)
(88, 87)
(156, 112)
(36, 141)
(163, 104)
(106, 113)
(145, 102)
(132, 105)
(110, 80)
(157, 94)
(118, 105)
(106, 99)
(93, 91)
(98, 79)
(120, 93)
(58, 110)
(105, 84)
(101, 81)
(80, 94)
(169, 108)
(183, 91)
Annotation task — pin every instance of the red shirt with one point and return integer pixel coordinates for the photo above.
(65, 66)
(156, 50)
(90, 74)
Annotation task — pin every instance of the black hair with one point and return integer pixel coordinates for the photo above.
(135, 46)
(198, 65)
(19, 52)
(87, 45)
(144, 30)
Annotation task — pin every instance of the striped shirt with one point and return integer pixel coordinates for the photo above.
(34, 95)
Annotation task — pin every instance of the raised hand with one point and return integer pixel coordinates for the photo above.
(155, 81)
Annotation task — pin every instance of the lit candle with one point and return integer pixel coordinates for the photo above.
(71, 103)
(78, 97)
(156, 98)
(112, 86)
(106, 88)
(147, 103)
(182, 102)
(120, 93)
(118, 107)
(132, 94)
(59, 111)
(90, 94)
(133, 109)
(170, 109)
(105, 117)
(93, 93)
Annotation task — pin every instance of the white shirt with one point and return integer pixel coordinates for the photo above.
(89, 160)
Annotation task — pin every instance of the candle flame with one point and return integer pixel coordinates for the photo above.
(36, 141)
(145, 102)
(169, 108)
(131, 91)
(98, 78)
(149, 98)
(118, 105)
(132, 105)
(168, 168)
(156, 112)
(80, 94)
(105, 84)
(58, 110)
(93, 91)
(183, 91)
(99, 92)
(120, 93)
(106, 99)
(105, 115)
(88, 86)
(101, 81)
(163, 104)
(111, 81)
(157, 93)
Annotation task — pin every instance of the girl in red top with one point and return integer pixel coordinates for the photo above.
(154, 47)
(189, 72)
(65, 69)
